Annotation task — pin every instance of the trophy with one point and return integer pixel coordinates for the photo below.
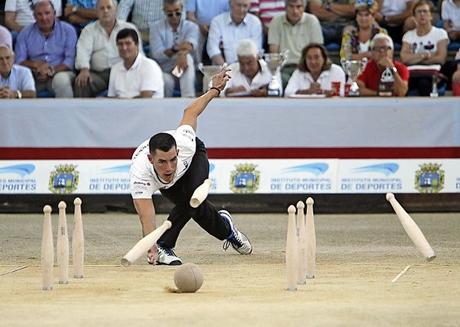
(274, 62)
(353, 68)
(209, 71)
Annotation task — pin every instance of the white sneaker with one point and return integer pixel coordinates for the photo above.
(237, 239)
(167, 257)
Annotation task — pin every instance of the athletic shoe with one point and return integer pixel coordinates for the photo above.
(167, 257)
(238, 240)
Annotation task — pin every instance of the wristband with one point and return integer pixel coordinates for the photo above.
(18, 94)
(215, 88)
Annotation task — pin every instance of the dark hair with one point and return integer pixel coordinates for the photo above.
(421, 3)
(161, 141)
(128, 32)
(303, 65)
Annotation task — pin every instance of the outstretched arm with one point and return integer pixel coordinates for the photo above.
(192, 112)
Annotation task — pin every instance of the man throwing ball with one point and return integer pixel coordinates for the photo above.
(176, 163)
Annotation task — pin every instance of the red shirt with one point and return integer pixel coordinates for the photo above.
(372, 73)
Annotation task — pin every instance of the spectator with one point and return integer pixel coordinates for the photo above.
(47, 47)
(19, 13)
(5, 37)
(456, 76)
(250, 75)
(80, 12)
(315, 73)
(144, 13)
(97, 50)
(135, 76)
(396, 17)
(334, 15)
(292, 32)
(16, 81)
(266, 10)
(357, 37)
(426, 45)
(202, 12)
(228, 28)
(450, 13)
(381, 59)
(173, 43)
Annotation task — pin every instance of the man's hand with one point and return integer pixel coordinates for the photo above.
(220, 80)
(83, 78)
(181, 61)
(152, 255)
(7, 93)
(260, 92)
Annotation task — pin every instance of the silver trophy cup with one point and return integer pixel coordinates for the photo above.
(274, 62)
(353, 69)
(209, 71)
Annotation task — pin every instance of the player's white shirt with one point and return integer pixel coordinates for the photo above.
(425, 43)
(143, 178)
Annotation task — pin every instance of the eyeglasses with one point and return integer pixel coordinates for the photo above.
(175, 13)
(380, 49)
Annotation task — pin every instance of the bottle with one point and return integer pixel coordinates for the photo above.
(387, 81)
(434, 87)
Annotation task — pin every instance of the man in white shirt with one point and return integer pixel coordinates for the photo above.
(176, 163)
(250, 75)
(173, 43)
(97, 50)
(16, 82)
(136, 76)
(228, 28)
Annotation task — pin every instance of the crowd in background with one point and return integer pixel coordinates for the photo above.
(154, 48)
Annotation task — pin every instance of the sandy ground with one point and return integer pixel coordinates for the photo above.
(358, 256)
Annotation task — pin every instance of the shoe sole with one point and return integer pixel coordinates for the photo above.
(173, 263)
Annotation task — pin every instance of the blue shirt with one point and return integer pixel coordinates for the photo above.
(162, 37)
(206, 10)
(20, 79)
(57, 48)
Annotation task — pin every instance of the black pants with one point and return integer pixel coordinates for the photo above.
(205, 215)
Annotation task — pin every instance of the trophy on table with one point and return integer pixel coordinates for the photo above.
(209, 71)
(274, 62)
(353, 68)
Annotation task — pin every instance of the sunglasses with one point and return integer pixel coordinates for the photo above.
(175, 13)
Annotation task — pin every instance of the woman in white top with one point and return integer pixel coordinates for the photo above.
(315, 73)
(425, 45)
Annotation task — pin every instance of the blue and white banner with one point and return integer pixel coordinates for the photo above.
(245, 176)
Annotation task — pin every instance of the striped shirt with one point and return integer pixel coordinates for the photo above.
(144, 12)
(267, 9)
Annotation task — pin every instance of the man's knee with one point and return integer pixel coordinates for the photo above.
(62, 84)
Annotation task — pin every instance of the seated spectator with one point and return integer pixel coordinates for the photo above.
(97, 50)
(450, 13)
(357, 37)
(250, 75)
(19, 13)
(456, 76)
(16, 81)
(425, 45)
(315, 74)
(266, 10)
(173, 43)
(143, 14)
(292, 32)
(47, 47)
(5, 37)
(202, 12)
(334, 15)
(381, 59)
(396, 17)
(135, 76)
(228, 28)
(80, 12)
